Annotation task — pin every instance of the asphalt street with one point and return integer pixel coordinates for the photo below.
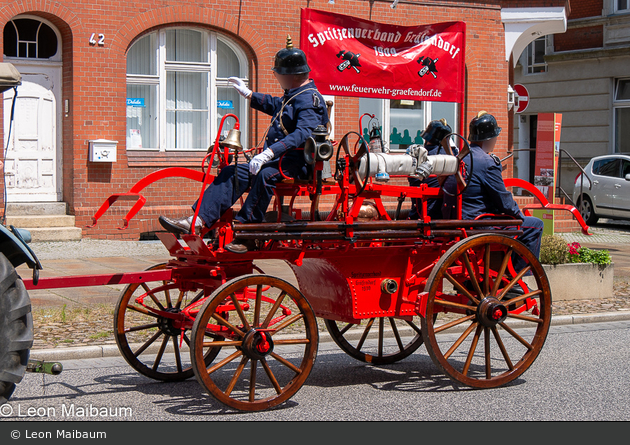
(580, 375)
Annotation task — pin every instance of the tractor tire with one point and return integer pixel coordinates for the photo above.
(16, 329)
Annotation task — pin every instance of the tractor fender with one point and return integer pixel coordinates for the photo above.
(13, 246)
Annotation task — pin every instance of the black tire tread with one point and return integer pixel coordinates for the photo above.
(16, 329)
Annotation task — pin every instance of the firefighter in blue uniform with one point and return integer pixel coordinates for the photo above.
(432, 135)
(294, 116)
(486, 192)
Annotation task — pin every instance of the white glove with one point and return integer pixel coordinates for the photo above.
(257, 161)
(424, 170)
(240, 86)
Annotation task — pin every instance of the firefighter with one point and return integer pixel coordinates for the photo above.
(432, 135)
(486, 192)
(294, 116)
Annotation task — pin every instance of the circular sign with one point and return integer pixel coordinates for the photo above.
(523, 97)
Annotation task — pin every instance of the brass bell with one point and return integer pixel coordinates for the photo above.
(233, 140)
(368, 212)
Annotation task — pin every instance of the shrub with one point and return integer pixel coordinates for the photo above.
(553, 250)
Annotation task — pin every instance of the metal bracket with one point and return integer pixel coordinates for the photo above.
(42, 367)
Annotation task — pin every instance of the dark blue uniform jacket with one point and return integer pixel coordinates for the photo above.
(486, 192)
(305, 109)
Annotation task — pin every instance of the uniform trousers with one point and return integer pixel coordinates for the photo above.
(221, 194)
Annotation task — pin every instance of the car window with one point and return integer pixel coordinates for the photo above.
(596, 165)
(625, 168)
(610, 167)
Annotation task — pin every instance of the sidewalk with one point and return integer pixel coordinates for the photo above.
(87, 312)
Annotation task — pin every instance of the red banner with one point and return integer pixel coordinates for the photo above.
(349, 56)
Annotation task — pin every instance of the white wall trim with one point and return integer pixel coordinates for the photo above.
(524, 25)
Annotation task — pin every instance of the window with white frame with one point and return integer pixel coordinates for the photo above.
(622, 5)
(535, 56)
(177, 89)
(621, 112)
(401, 122)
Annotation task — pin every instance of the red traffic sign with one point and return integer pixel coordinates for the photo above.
(523, 97)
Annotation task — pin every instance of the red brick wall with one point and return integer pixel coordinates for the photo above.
(579, 38)
(568, 4)
(94, 80)
(586, 8)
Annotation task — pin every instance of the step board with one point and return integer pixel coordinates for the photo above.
(46, 221)
(54, 234)
(36, 208)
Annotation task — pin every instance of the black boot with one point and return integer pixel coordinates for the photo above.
(241, 246)
(182, 225)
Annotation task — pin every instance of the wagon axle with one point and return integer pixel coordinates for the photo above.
(171, 326)
(257, 344)
(491, 312)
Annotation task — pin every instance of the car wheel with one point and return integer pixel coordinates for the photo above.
(587, 211)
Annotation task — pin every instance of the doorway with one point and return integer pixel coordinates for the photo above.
(33, 147)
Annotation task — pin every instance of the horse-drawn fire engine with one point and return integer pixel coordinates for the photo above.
(382, 285)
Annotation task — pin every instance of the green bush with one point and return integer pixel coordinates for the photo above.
(553, 250)
(579, 254)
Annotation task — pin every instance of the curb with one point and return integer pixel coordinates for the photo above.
(103, 351)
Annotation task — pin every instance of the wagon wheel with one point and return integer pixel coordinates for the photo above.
(355, 159)
(390, 343)
(269, 338)
(465, 151)
(143, 337)
(483, 302)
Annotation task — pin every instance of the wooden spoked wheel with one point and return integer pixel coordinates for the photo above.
(465, 151)
(360, 150)
(473, 309)
(150, 343)
(268, 335)
(379, 341)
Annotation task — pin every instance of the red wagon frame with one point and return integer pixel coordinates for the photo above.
(353, 274)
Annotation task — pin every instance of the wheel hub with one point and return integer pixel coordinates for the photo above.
(257, 344)
(167, 325)
(491, 312)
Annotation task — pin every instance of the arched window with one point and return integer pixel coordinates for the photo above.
(30, 38)
(177, 90)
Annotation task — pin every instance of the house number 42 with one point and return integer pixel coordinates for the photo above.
(100, 41)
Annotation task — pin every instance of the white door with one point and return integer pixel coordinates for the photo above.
(623, 186)
(31, 170)
(605, 189)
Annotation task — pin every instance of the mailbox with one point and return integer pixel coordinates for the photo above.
(102, 150)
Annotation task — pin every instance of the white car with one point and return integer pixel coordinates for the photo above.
(607, 194)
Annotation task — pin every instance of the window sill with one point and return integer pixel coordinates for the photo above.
(152, 158)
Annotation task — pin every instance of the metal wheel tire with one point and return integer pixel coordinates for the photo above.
(388, 346)
(143, 337)
(355, 159)
(269, 336)
(587, 211)
(479, 271)
(16, 329)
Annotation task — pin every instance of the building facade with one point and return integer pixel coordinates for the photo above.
(584, 74)
(149, 80)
